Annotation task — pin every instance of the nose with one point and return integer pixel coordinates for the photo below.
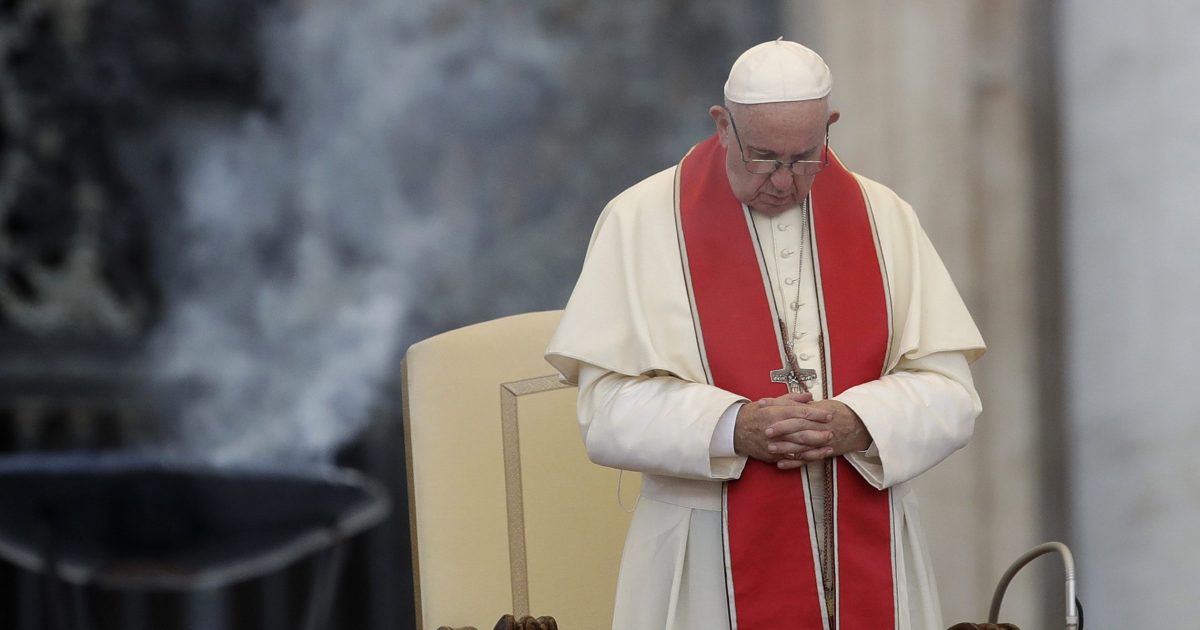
(782, 177)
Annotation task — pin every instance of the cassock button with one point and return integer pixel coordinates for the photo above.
(787, 253)
(804, 356)
(790, 281)
(795, 306)
(800, 334)
(783, 227)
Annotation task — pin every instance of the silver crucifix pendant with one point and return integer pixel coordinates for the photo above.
(797, 380)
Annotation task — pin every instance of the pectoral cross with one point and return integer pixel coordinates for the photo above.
(797, 379)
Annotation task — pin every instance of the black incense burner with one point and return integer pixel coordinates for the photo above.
(132, 522)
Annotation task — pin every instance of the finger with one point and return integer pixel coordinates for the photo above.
(816, 454)
(775, 415)
(770, 415)
(806, 411)
(809, 438)
(800, 423)
(795, 456)
(804, 458)
(790, 464)
(786, 449)
(789, 399)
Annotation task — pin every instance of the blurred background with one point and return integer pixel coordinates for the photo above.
(222, 222)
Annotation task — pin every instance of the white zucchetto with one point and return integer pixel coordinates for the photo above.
(776, 72)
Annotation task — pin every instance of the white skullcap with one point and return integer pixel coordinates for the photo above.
(778, 71)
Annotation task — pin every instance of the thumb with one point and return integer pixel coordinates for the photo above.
(800, 397)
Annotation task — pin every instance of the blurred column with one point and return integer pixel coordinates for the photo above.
(1132, 145)
(939, 102)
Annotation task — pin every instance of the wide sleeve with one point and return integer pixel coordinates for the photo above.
(924, 406)
(656, 424)
(917, 415)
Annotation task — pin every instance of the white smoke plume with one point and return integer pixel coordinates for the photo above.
(299, 240)
(428, 164)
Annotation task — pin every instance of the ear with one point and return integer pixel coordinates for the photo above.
(721, 121)
(834, 116)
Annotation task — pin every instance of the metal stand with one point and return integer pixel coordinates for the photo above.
(1074, 616)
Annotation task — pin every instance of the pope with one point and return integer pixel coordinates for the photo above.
(772, 341)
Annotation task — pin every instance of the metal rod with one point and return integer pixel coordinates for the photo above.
(325, 581)
(59, 611)
(80, 611)
(1072, 618)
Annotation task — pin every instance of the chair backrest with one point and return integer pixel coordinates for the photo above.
(507, 513)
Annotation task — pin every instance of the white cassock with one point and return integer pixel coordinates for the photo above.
(627, 339)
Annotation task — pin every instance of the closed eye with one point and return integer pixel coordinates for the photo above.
(759, 154)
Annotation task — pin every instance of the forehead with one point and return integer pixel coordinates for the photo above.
(782, 127)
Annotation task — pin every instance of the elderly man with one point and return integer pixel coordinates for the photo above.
(773, 342)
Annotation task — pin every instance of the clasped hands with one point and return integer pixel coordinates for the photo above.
(792, 430)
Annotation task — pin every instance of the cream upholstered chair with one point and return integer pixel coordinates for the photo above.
(507, 513)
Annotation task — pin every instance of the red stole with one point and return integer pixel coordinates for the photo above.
(772, 561)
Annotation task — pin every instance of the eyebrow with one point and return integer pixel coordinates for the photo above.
(797, 156)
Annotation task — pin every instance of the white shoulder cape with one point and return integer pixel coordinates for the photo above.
(630, 314)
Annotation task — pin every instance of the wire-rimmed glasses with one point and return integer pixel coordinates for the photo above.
(767, 167)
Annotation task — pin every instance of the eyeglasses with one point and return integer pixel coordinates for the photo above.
(766, 167)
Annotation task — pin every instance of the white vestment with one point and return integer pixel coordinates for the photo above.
(627, 339)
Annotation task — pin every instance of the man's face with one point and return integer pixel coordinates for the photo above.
(772, 131)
